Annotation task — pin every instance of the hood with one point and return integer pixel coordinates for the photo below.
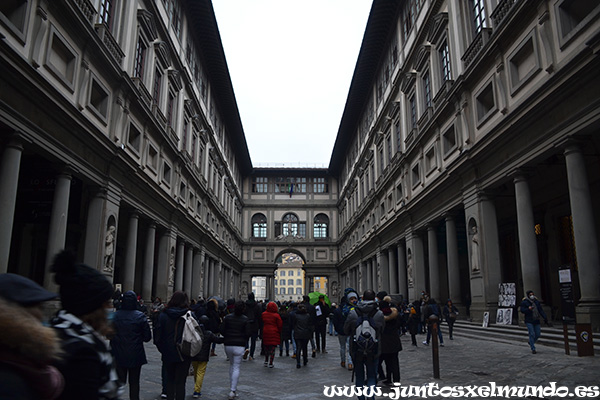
(25, 335)
(129, 301)
(366, 306)
(250, 302)
(272, 307)
(393, 314)
(175, 313)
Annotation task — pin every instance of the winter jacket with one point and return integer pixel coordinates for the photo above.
(321, 320)
(212, 311)
(254, 313)
(236, 329)
(27, 348)
(365, 307)
(301, 324)
(165, 336)
(272, 325)
(390, 338)
(286, 327)
(529, 314)
(87, 363)
(208, 339)
(448, 310)
(338, 319)
(131, 331)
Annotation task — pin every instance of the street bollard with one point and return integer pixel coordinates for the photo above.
(433, 320)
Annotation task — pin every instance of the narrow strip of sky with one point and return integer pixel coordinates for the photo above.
(291, 64)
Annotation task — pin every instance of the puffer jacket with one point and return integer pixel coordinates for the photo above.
(302, 324)
(272, 325)
(208, 339)
(236, 330)
(131, 331)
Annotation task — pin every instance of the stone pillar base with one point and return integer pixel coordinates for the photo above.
(589, 313)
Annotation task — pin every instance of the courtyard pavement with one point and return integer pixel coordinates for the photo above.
(463, 362)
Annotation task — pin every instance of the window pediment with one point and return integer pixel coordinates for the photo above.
(146, 21)
(440, 22)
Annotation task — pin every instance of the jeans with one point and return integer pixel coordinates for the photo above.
(252, 343)
(330, 328)
(285, 343)
(535, 331)
(345, 348)
(359, 370)
(176, 374)
(134, 380)
(234, 353)
(293, 341)
(429, 329)
(301, 349)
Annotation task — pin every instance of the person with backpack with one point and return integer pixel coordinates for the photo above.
(431, 308)
(365, 323)
(450, 313)
(339, 316)
(168, 332)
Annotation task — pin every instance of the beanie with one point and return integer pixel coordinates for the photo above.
(22, 290)
(83, 289)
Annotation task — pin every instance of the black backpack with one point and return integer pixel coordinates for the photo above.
(365, 336)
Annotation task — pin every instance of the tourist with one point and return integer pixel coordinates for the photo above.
(531, 307)
(450, 313)
(302, 327)
(236, 329)
(271, 332)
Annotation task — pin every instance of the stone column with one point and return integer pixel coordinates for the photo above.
(369, 280)
(363, 277)
(165, 274)
(219, 278)
(586, 239)
(10, 165)
(148, 275)
(94, 240)
(434, 265)
(402, 283)
(179, 271)
(383, 272)
(131, 252)
(197, 273)
(530, 268)
(415, 265)
(206, 276)
(453, 267)
(210, 268)
(393, 274)
(189, 262)
(58, 225)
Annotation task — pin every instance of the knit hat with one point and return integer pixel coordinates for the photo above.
(351, 294)
(83, 289)
(24, 291)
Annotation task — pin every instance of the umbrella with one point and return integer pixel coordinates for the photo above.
(314, 298)
(221, 303)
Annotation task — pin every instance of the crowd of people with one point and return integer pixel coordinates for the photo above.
(93, 347)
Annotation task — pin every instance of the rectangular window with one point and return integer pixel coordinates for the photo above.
(398, 136)
(157, 84)
(105, 13)
(302, 229)
(427, 89)
(388, 144)
(413, 112)
(184, 138)
(291, 273)
(259, 184)
(381, 160)
(445, 62)
(479, 15)
(320, 185)
(140, 58)
(170, 102)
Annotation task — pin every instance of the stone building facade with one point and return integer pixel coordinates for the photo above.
(467, 154)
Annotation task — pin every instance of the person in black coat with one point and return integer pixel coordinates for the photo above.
(127, 346)
(254, 313)
(390, 341)
(310, 309)
(236, 329)
(286, 331)
(167, 333)
(214, 318)
(321, 314)
(450, 313)
(303, 328)
(200, 361)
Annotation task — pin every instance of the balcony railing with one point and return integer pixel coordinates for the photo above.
(87, 9)
(478, 43)
(109, 41)
(501, 11)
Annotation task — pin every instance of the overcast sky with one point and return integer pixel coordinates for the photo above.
(291, 64)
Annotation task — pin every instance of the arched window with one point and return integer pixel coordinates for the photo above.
(321, 226)
(290, 225)
(259, 226)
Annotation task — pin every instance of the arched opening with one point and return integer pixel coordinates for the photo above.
(289, 277)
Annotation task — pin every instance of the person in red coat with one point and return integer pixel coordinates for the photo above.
(271, 334)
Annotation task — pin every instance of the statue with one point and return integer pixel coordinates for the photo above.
(409, 270)
(334, 290)
(172, 267)
(244, 290)
(474, 249)
(109, 248)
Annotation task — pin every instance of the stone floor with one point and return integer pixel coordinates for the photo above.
(462, 362)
